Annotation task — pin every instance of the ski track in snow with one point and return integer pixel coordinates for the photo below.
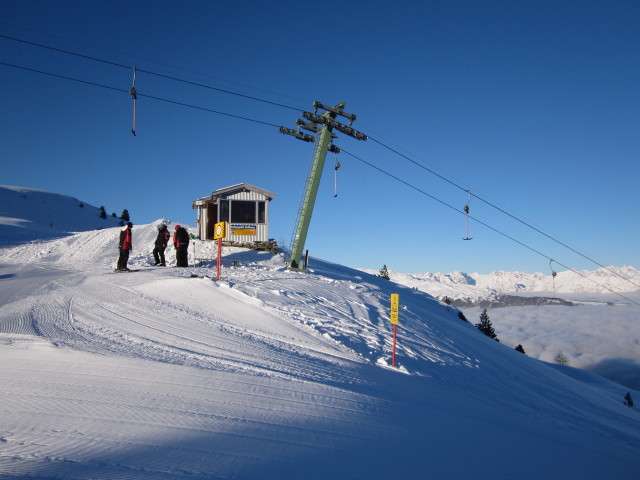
(166, 373)
(121, 318)
(156, 315)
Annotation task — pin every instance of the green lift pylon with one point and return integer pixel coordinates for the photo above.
(322, 146)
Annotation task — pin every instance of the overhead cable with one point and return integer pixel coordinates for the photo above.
(138, 94)
(64, 77)
(128, 67)
(484, 224)
(550, 237)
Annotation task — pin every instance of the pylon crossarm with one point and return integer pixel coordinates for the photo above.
(295, 133)
(347, 130)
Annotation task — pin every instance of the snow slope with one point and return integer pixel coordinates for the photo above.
(166, 373)
(28, 214)
(595, 325)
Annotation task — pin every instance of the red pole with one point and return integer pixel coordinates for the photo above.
(393, 355)
(219, 260)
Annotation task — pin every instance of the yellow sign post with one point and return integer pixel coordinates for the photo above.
(395, 302)
(219, 232)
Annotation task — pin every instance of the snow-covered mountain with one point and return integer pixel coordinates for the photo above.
(508, 288)
(166, 373)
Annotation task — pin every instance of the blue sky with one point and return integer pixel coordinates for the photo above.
(533, 106)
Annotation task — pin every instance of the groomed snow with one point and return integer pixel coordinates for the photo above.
(166, 373)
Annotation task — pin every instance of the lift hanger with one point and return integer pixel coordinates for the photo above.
(335, 177)
(553, 277)
(134, 96)
(466, 211)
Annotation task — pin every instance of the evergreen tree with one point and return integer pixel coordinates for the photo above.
(485, 326)
(520, 349)
(125, 215)
(447, 300)
(462, 317)
(628, 401)
(103, 212)
(384, 273)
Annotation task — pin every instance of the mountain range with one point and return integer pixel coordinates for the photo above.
(502, 288)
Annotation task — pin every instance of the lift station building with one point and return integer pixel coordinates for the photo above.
(244, 206)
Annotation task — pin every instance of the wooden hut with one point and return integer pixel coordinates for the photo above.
(245, 207)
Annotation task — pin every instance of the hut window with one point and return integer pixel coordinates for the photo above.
(243, 211)
(224, 210)
(262, 218)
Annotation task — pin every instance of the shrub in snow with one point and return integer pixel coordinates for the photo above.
(520, 348)
(384, 273)
(628, 401)
(561, 359)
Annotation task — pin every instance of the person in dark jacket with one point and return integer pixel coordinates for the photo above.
(161, 244)
(125, 246)
(181, 242)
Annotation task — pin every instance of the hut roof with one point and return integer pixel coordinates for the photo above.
(241, 187)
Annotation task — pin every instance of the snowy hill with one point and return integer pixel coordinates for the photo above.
(166, 373)
(28, 213)
(524, 312)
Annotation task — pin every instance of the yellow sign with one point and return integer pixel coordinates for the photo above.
(243, 229)
(220, 230)
(395, 301)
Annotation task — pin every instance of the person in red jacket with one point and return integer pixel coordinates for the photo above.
(125, 246)
(161, 244)
(181, 242)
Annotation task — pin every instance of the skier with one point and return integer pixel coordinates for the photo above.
(125, 246)
(161, 244)
(181, 242)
